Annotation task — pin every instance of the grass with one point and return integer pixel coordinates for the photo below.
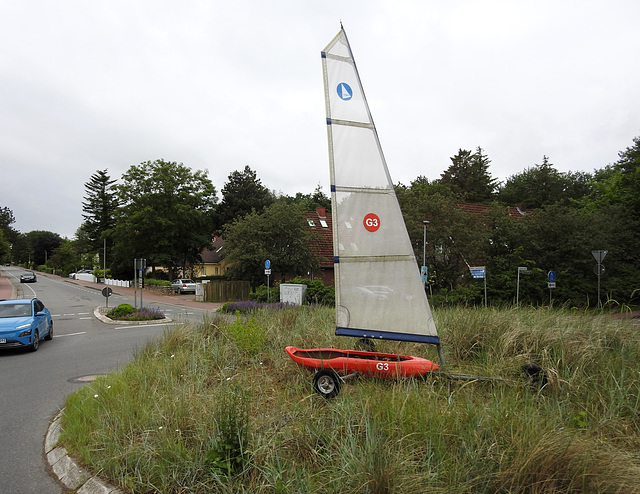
(219, 407)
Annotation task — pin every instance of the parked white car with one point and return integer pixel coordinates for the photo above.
(81, 271)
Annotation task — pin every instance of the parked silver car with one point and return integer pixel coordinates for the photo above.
(183, 285)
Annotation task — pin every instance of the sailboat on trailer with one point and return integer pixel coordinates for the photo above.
(379, 290)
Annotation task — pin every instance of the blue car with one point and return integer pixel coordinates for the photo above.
(23, 323)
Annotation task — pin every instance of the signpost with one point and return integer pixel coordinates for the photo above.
(139, 266)
(599, 268)
(267, 271)
(106, 292)
(479, 272)
(551, 276)
(524, 270)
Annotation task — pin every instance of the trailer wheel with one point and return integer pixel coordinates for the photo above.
(327, 383)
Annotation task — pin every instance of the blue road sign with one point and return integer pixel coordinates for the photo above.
(551, 276)
(477, 272)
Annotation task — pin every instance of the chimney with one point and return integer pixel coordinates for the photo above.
(322, 213)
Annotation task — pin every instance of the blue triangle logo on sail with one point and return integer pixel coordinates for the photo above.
(344, 91)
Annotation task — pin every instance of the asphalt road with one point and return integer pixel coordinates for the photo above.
(34, 386)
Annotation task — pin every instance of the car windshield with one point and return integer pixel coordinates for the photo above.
(15, 310)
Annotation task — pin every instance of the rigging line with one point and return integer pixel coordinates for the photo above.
(461, 254)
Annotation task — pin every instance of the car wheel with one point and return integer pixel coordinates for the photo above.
(327, 383)
(49, 336)
(36, 341)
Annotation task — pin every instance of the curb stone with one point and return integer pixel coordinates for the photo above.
(65, 468)
(98, 313)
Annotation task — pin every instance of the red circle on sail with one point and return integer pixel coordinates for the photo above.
(371, 222)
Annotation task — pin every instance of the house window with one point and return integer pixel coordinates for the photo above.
(323, 223)
(310, 221)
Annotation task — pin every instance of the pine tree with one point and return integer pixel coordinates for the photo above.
(242, 194)
(99, 208)
(468, 176)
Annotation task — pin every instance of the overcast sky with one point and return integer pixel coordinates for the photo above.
(87, 85)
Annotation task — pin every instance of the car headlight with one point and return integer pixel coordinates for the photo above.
(27, 332)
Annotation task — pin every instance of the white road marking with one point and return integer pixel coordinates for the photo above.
(56, 335)
(143, 325)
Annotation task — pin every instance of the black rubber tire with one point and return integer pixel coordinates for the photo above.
(36, 341)
(49, 336)
(327, 383)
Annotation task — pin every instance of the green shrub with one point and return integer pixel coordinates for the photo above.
(99, 273)
(156, 282)
(261, 292)
(316, 293)
(121, 311)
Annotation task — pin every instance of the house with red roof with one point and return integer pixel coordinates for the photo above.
(319, 221)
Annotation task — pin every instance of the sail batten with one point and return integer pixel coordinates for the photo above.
(348, 123)
(379, 291)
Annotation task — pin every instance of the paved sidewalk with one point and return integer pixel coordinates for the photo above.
(6, 287)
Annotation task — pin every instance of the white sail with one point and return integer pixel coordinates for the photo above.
(379, 291)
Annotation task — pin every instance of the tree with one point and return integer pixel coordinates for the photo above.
(309, 202)
(7, 234)
(468, 176)
(240, 195)
(66, 258)
(99, 208)
(165, 217)
(620, 183)
(280, 233)
(5, 249)
(542, 185)
(40, 245)
(453, 235)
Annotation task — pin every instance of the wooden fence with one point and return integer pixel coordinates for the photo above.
(225, 291)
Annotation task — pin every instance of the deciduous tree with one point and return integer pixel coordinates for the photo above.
(165, 217)
(280, 233)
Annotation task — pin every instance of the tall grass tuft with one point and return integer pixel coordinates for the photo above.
(219, 407)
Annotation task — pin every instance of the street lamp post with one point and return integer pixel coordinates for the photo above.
(424, 243)
(424, 272)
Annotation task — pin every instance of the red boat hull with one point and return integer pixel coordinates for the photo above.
(344, 362)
